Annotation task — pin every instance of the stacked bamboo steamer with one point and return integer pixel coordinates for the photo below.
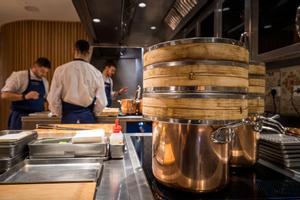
(257, 82)
(196, 80)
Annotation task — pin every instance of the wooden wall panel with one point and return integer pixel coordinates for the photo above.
(22, 42)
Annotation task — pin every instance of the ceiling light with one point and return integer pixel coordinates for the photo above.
(142, 5)
(153, 27)
(226, 9)
(268, 26)
(96, 20)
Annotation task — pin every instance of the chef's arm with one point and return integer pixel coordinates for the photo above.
(54, 96)
(12, 96)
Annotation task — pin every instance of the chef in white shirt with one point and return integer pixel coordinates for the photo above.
(77, 89)
(108, 72)
(27, 91)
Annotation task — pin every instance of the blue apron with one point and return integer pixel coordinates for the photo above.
(25, 107)
(73, 114)
(108, 93)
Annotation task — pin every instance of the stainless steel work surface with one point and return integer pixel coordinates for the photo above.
(124, 178)
(54, 170)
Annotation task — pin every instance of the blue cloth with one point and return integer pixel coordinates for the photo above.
(73, 114)
(25, 107)
(108, 94)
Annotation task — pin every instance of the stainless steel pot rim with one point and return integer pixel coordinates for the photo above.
(207, 95)
(196, 89)
(195, 40)
(195, 62)
(256, 76)
(194, 122)
(253, 62)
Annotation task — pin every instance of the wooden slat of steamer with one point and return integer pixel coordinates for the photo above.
(257, 69)
(206, 51)
(52, 191)
(257, 85)
(198, 80)
(256, 106)
(207, 75)
(196, 108)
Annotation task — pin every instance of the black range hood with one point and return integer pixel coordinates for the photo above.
(124, 23)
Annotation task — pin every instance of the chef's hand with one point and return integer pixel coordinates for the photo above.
(32, 95)
(123, 90)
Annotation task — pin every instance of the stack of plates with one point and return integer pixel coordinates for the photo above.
(280, 149)
(13, 147)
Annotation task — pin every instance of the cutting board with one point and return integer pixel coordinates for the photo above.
(109, 112)
(53, 133)
(64, 191)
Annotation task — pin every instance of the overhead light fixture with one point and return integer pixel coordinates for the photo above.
(142, 5)
(268, 26)
(31, 8)
(226, 9)
(96, 20)
(153, 27)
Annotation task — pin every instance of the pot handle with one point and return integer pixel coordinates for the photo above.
(244, 38)
(222, 135)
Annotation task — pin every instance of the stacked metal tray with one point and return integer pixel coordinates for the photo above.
(283, 150)
(64, 148)
(54, 170)
(14, 149)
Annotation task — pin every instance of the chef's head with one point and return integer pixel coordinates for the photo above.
(109, 68)
(41, 67)
(81, 48)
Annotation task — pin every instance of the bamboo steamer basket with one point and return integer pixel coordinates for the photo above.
(196, 90)
(257, 82)
(197, 48)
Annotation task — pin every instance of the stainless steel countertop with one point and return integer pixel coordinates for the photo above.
(124, 178)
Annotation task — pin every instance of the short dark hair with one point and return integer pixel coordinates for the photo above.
(109, 63)
(82, 45)
(43, 62)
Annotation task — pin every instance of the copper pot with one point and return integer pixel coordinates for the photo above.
(128, 106)
(190, 157)
(244, 146)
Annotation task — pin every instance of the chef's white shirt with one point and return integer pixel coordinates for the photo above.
(18, 81)
(76, 82)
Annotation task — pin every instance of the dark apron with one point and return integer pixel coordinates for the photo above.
(73, 114)
(25, 107)
(108, 93)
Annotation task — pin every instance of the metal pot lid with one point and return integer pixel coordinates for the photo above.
(195, 40)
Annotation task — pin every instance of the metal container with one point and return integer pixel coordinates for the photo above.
(117, 151)
(54, 170)
(191, 157)
(244, 146)
(57, 148)
(12, 148)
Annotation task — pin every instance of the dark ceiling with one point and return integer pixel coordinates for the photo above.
(124, 23)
